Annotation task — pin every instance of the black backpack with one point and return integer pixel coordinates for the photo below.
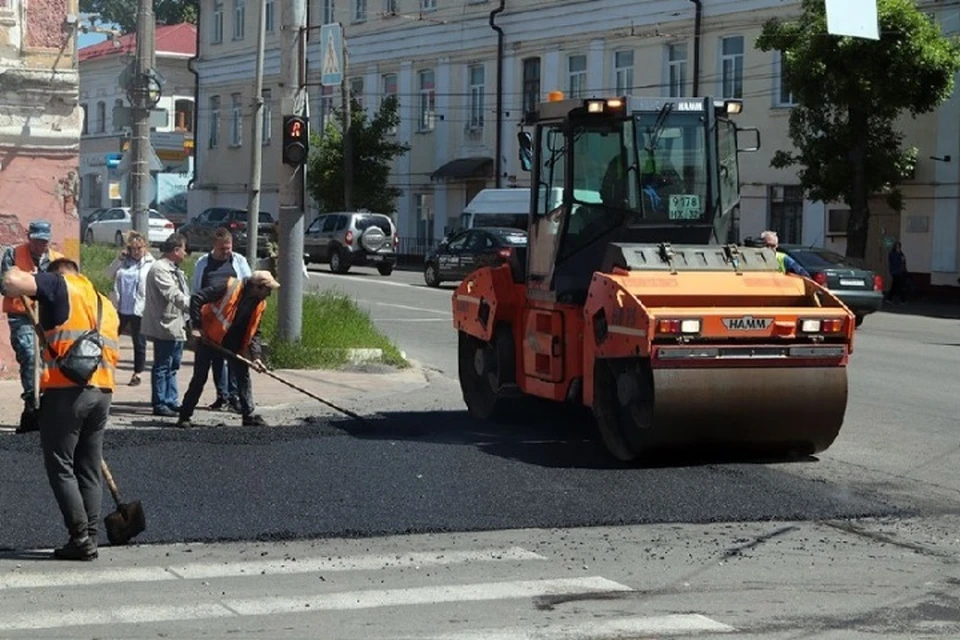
(84, 356)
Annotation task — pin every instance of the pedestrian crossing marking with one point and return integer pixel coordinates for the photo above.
(625, 627)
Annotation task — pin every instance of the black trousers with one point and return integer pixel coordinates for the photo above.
(72, 422)
(139, 341)
(203, 357)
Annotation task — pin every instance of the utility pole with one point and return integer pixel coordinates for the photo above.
(145, 101)
(347, 98)
(256, 153)
(290, 258)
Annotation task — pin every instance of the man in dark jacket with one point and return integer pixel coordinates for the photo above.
(228, 314)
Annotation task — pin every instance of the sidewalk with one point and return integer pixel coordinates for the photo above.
(280, 405)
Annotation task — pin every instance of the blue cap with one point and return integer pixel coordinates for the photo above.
(39, 230)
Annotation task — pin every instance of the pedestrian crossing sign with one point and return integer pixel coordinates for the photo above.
(331, 56)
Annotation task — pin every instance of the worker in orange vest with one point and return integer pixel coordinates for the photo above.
(228, 314)
(76, 392)
(31, 256)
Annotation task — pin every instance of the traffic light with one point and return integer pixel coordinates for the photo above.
(295, 140)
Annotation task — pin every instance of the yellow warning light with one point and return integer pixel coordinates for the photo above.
(614, 103)
(555, 96)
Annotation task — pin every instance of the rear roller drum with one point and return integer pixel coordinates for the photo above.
(485, 369)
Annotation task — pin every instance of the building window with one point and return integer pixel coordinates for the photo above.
(428, 100)
(389, 89)
(359, 10)
(217, 36)
(326, 108)
(328, 13)
(390, 7)
(428, 5)
(183, 115)
(86, 120)
(118, 103)
(236, 120)
(786, 212)
(424, 206)
(101, 117)
(356, 90)
(783, 94)
(531, 84)
(239, 18)
(214, 121)
(731, 70)
(270, 14)
(577, 76)
(676, 69)
(623, 72)
(267, 115)
(94, 190)
(476, 76)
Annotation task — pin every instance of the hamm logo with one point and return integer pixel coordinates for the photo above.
(747, 323)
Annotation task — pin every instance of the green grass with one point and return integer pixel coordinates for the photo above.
(332, 322)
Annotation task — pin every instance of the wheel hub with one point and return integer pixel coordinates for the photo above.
(479, 362)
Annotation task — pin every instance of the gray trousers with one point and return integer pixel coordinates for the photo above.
(72, 422)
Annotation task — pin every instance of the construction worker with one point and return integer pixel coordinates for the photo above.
(72, 416)
(785, 263)
(31, 256)
(228, 315)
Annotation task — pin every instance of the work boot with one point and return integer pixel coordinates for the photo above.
(254, 421)
(28, 419)
(218, 404)
(235, 405)
(84, 549)
(184, 423)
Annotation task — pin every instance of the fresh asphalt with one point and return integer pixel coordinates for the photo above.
(424, 466)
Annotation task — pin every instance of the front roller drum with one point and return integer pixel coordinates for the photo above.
(778, 410)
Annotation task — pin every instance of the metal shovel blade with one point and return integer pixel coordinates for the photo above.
(125, 523)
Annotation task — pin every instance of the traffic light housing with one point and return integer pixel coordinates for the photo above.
(296, 144)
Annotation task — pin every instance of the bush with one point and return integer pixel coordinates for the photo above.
(94, 260)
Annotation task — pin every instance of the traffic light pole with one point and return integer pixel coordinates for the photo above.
(290, 256)
(347, 97)
(256, 153)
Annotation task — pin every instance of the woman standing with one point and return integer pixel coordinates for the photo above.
(129, 273)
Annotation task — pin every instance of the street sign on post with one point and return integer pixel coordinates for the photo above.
(331, 59)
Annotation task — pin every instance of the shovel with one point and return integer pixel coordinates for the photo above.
(128, 520)
(249, 363)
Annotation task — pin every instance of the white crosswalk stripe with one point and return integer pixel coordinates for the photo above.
(412, 593)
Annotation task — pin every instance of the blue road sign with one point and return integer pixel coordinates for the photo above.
(331, 54)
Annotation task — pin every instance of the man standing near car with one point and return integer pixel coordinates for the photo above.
(785, 263)
(213, 268)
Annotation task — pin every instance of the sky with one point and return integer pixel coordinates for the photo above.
(87, 39)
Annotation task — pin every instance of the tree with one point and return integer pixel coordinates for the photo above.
(124, 12)
(373, 153)
(850, 92)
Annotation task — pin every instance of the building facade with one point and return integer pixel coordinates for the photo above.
(439, 57)
(40, 124)
(106, 135)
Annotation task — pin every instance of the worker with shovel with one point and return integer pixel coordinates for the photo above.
(229, 316)
(80, 331)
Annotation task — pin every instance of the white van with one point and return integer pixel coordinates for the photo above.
(497, 208)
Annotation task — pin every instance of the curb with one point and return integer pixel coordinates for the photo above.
(357, 356)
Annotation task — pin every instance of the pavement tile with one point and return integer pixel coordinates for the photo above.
(277, 402)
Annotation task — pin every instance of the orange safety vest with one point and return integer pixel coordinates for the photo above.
(217, 317)
(82, 317)
(13, 306)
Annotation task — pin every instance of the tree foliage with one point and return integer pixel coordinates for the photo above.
(373, 153)
(850, 93)
(124, 12)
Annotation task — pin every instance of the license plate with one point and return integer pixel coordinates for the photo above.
(849, 282)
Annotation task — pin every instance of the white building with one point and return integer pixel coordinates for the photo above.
(440, 58)
(105, 140)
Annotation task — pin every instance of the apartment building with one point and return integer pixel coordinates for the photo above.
(439, 57)
(106, 140)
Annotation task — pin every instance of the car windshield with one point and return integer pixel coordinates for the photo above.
(824, 259)
(367, 221)
(265, 217)
(156, 215)
(516, 220)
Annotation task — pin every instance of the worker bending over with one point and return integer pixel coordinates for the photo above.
(228, 314)
(785, 263)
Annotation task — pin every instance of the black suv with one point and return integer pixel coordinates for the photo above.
(199, 230)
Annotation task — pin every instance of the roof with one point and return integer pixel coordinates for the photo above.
(173, 39)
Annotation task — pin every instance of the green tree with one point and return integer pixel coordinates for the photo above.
(373, 153)
(124, 12)
(850, 93)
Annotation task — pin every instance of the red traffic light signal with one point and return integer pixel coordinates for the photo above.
(295, 140)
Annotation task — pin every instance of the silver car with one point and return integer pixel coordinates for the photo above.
(347, 239)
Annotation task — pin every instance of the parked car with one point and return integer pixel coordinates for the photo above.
(346, 239)
(113, 225)
(460, 254)
(85, 220)
(859, 287)
(200, 229)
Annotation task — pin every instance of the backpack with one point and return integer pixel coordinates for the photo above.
(84, 356)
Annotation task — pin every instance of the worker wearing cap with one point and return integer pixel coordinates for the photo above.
(72, 416)
(228, 314)
(785, 263)
(32, 256)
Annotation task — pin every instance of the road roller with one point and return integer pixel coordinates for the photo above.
(631, 298)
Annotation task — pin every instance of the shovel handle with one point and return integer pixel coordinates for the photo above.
(108, 478)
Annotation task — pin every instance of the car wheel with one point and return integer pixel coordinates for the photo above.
(431, 276)
(88, 238)
(338, 261)
(385, 269)
(859, 320)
